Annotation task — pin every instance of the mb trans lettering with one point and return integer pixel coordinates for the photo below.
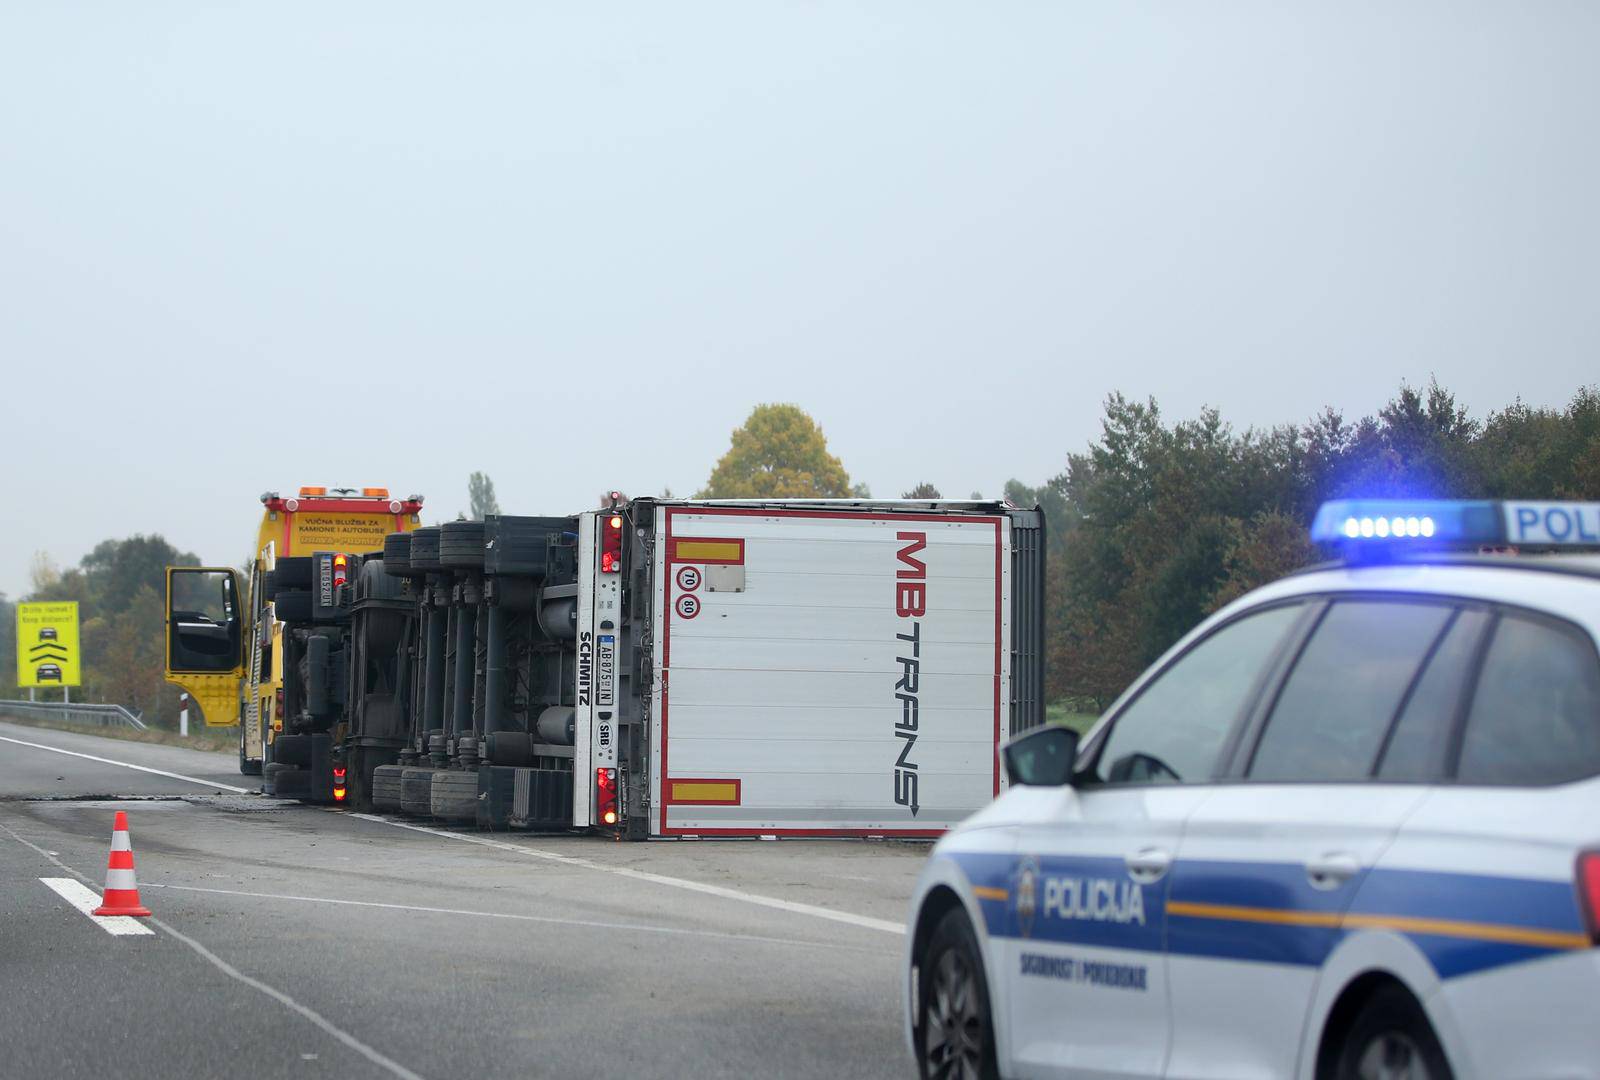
(910, 603)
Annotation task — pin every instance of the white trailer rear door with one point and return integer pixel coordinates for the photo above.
(827, 672)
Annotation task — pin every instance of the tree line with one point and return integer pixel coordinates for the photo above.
(120, 589)
(1156, 525)
(1151, 527)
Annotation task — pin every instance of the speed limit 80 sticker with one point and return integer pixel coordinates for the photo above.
(687, 606)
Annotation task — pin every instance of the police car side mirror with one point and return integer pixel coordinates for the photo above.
(1042, 758)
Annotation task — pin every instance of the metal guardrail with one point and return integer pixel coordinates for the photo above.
(87, 715)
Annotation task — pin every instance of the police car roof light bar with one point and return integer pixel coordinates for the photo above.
(1431, 523)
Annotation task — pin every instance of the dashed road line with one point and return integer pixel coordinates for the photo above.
(384, 1062)
(846, 917)
(129, 765)
(86, 900)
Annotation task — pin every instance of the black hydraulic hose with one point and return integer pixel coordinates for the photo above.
(433, 671)
(494, 675)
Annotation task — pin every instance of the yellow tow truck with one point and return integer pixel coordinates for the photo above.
(229, 656)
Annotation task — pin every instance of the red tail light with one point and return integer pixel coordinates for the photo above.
(611, 544)
(341, 570)
(277, 707)
(338, 783)
(605, 785)
(1589, 891)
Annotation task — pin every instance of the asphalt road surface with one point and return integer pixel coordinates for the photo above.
(293, 941)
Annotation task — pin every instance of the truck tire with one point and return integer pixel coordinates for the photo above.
(293, 606)
(461, 545)
(291, 750)
(416, 790)
(454, 796)
(425, 550)
(397, 554)
(373, 582)
(386, 787)
(293, 573)
(285, 781)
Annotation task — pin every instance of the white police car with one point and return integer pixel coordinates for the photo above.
(1347, 827)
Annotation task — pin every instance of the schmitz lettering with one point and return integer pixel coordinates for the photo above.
(585, 665)
(910, 602)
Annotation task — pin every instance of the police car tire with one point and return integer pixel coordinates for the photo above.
(954, 934)
(1391, 1012)
(293, 573)
(454, 796)
(386, 787)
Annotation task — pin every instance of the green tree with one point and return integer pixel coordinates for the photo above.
(779, 453)
(480, 497)
(117, 569)
(923, 490)
(129, 660)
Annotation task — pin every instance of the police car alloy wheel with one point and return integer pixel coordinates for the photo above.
(957, 1039)
(1391, 1040)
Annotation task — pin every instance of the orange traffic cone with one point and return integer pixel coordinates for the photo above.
(122, 891)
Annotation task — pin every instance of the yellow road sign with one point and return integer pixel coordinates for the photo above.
(47, 644)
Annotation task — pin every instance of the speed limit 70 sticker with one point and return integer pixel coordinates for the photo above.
(687, 606)
(689, 578)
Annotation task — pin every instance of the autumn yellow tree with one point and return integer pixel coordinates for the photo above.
(779, 453)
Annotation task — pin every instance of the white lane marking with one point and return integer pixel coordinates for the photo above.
(86, 900)
(642, 928)
(291, 1004)
(849, 918)
(130, 765)
(232, 972)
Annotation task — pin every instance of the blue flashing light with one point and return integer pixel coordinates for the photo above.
(1402, 523)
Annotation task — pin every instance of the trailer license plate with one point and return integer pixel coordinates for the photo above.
(605, 671)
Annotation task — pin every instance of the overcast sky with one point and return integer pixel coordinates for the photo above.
(252, 246)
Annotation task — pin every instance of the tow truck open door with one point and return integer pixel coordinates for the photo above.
(205, 638)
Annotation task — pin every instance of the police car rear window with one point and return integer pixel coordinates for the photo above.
(1331, 717)
(1420, 741)
(1535, 717)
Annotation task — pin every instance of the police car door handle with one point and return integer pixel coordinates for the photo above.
(1332, 870)
(1148, 865)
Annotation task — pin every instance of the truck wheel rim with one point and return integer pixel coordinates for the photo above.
(954, 1041)
(1392, 1056)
